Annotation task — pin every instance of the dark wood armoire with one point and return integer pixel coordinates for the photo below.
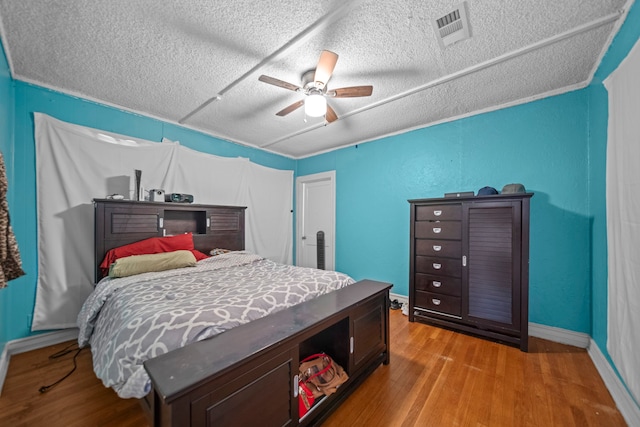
(469, 265)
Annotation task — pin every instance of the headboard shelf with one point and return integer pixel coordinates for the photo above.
(120, 222)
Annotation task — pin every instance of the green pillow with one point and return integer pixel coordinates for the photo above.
(137, 264)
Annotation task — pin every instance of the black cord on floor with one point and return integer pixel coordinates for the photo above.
(61, 353)
(68, 349)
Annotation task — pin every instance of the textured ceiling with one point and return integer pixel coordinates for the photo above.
(197, 63)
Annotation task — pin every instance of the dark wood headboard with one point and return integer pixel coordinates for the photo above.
(120, 222)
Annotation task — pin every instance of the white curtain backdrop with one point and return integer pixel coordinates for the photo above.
(623, 219)
(76, 164)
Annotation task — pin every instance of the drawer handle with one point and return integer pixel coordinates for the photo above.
(437, 213)
(437, 266)
(435, 301)
(437, 248)
(437, 230)
(436, 284)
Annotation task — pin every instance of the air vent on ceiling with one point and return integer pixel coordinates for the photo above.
(452, 27)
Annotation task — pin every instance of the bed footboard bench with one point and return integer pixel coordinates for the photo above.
(248, 375)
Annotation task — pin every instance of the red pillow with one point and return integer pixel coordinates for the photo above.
(153, 245)
(199, 255)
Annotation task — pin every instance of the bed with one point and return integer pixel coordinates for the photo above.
(199, 342)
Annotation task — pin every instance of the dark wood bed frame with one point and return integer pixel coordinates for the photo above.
(249, 374)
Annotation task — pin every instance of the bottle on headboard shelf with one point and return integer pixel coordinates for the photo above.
(137, 194)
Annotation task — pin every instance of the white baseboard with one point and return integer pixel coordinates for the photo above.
(32, 343)
(626, 405)
(563, 336)
(4, 366)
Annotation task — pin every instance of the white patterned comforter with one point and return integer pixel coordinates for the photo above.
(129, 320)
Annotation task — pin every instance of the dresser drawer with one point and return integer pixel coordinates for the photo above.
(435, 212)
(439, 248)
(435, 302)
(438, 284)
(439, 266)
(438, 230)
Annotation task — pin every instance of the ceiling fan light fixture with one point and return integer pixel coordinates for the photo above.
(314, 86)
(315, 105)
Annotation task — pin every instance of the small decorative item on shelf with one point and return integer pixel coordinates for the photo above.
(178, 198)
(459, 194)
(156, 195)
(487, 191)
(137, 195)
(513, 189)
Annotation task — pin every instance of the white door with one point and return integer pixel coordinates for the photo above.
(316, 211)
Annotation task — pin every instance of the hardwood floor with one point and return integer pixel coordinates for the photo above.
(441, 378)
(79, 400)
(436, 378)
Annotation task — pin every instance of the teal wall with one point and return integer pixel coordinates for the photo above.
(6, 137)
(626, 38)
(18, 299)
(541, 144)
(598, 115)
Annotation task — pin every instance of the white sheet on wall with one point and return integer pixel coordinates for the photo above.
(623, 219)
(255, 184)
(76, 164)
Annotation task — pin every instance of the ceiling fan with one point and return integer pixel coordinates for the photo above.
(314, 86)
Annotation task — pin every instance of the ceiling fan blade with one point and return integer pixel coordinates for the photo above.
(279, 83)
(290, 108)
(330, 115)
(326, 64)
(351, 92)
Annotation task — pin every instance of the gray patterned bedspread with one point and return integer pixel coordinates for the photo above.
(129, 320)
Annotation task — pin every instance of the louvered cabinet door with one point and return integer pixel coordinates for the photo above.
(493, 263)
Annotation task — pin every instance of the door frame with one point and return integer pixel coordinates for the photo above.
(300, 181)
